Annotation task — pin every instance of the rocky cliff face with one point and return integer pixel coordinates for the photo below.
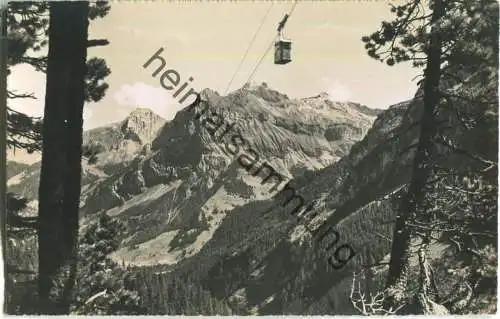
(141, 125)
(117, 144)
(191, 180)
(114, 146)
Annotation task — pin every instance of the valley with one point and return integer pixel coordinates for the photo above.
(194, 213)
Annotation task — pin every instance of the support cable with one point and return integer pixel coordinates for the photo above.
(249, 46)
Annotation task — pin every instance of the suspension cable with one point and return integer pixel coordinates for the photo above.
(293, 7)
(260, 60)
(270, 46)
(249, 46)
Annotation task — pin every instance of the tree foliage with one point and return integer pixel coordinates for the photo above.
(103, 287)
(27, 44)
(458, 206)
(96, 271)
(28, 36)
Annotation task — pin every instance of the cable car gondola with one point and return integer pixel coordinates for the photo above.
(282, 47)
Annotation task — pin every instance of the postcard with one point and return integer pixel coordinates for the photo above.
(235, 158)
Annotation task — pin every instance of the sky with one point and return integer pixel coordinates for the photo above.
(206, 41)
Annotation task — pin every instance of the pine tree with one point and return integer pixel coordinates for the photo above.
(27, 24)
(27, 37)
(59, 190)
(103, 287)
(457, 41)
(20, 264)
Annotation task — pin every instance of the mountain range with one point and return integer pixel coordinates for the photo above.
(191, 211)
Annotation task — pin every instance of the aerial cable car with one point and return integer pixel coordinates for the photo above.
(282, 47)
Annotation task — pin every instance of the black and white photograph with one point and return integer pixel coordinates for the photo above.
(249, 158)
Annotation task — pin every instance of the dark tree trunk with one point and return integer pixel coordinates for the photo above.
(59, 192)
(400, 252)
(3, 140)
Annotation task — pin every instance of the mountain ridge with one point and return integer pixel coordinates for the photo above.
(104, 143)
(192, 211)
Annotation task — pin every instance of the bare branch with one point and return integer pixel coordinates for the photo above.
(374, 305)
(97, 42)
(12, 95)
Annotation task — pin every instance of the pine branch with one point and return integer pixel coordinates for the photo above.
(40, 64)
(461, 151)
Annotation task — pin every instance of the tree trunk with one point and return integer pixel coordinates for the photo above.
(400, 251)
(59, 190)
(3, 140)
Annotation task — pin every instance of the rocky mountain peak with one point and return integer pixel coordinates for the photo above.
(142, 125)
(263, 91)
(324, 95)
(141, 111)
